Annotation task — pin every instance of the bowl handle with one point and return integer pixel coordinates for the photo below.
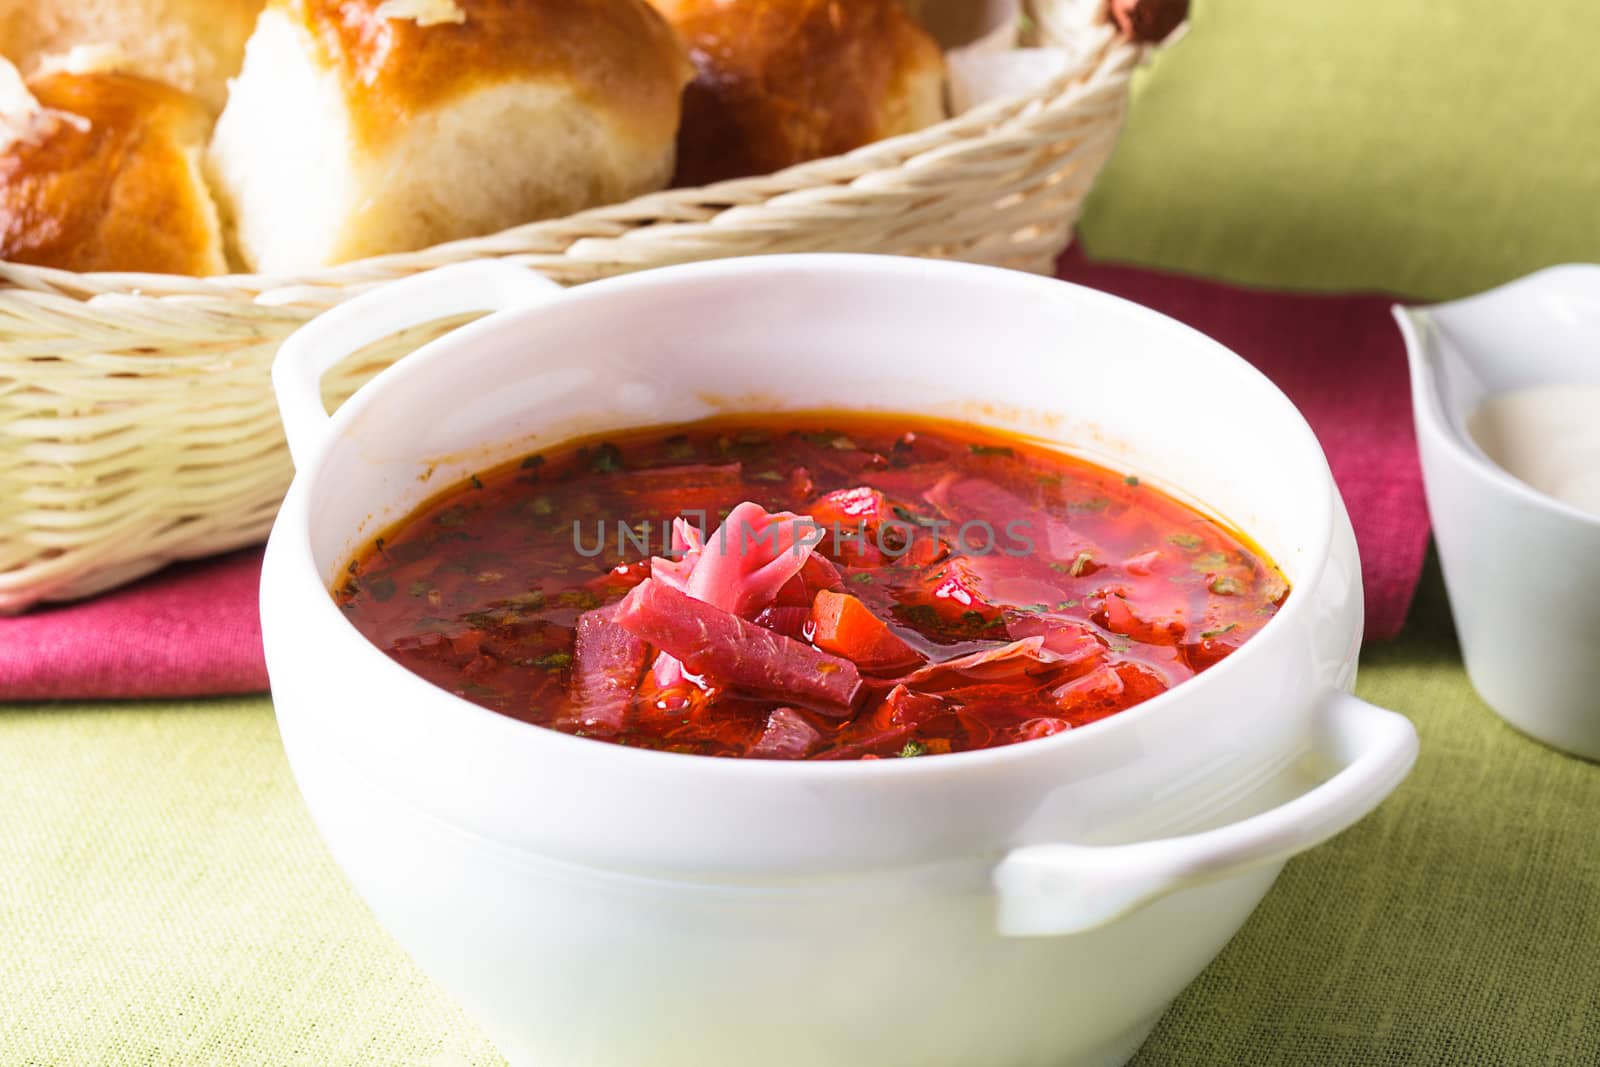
(1067, 889)
(317, 347)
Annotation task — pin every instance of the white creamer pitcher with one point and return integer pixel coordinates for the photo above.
(1522, 567)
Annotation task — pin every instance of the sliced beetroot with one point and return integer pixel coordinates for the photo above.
(820, 573)
(787, 619)
(787, 736)
(607, 661)
(726, 650)
(817, 574)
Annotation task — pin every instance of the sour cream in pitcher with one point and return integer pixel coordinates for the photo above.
(1547, 436)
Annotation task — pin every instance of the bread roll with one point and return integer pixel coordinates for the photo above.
(102, 171)
(194, 45)
(780, 82)
(359, 128)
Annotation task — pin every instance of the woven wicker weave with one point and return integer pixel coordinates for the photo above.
(137, 424)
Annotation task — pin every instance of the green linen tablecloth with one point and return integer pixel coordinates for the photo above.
(1428, 147)
(164, 899)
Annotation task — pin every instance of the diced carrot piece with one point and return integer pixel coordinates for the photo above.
(846, 627)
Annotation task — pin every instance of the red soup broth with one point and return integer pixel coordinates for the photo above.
(966, 589)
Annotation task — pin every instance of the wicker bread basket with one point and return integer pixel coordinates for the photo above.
(137, 423)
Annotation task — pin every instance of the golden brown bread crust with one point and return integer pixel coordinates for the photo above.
(780, 82)
(193, 45)
(119, 191)
(392, 68)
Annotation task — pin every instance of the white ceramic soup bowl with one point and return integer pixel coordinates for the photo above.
(594, 904)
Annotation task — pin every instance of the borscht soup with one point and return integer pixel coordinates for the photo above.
(820, 587)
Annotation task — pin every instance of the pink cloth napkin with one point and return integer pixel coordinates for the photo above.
(192, 630)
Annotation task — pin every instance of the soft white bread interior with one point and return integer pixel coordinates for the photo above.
(102, 171)
(193, 45)
(359, 128)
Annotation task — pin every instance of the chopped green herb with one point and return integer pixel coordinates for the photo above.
(1225, 586)
(1186, 541)
(533, 462)
(907, 515)
(1065, 605)
(678, 447)
(532, 600)
(990, 450)
(861, 578)
(1131, 479)
(378, 544)
(420, 588)
(1119, 646)
(1094, 503)
(1210, 561)
(582, 599)
(1032, 609)
(540, 505)
(453, 516)
(605, 459)
(766, 476)
(477, 483)
(753, 437)
(1206, 635)
(921, 616)
(351, 588)
(914, 748)
(554, 661)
